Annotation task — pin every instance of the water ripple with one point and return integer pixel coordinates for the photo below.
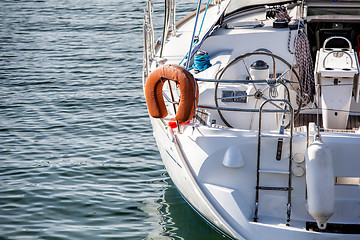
(77, 155)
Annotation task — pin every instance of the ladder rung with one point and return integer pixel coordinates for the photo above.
(275, 135)
(273, 188)
(273, 171)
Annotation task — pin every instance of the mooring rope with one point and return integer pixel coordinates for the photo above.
(306, 68)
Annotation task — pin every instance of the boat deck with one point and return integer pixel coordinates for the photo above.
(305, 119)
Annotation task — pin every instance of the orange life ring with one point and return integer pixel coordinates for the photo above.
(189, 92)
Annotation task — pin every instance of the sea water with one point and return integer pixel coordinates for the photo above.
(77, 155)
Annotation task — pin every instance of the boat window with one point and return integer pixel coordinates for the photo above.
(333, 11)
(237, 4)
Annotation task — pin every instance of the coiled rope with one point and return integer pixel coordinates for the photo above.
(201, 61)
(306, 68)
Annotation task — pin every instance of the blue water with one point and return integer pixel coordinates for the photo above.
(77, 155)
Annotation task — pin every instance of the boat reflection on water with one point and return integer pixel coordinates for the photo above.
(179, 220)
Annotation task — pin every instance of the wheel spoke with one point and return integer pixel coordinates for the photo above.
(259, 93)
(274, 104)
(282, 74)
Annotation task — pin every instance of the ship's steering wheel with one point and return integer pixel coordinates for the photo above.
(260, 93)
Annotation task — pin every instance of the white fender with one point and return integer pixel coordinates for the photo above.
(320, 183)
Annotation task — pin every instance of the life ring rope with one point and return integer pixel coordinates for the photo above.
(189, 92)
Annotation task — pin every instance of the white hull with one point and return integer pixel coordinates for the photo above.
(263, 180)
(226, 197)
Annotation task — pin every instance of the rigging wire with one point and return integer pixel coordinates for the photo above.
(193, 35)
(194, 42)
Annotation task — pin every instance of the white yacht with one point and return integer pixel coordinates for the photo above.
(255, 109)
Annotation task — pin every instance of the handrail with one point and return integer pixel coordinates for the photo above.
(174, 17)
(337, 37)
(280, 81)
(243, 109)
(146, 54)
(273, 81)
(338, 51)
(166, 25)
(229, 109)
(289, 187)
(150, 9)
(242, 81)
(148, 37)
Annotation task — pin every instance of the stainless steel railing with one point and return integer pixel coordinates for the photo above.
(148, 36)
(278, 110)
(168, 6)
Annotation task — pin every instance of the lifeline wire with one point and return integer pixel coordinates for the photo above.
(193, 35)
(196, 40)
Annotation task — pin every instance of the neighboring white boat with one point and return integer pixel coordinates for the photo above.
(254, 108)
